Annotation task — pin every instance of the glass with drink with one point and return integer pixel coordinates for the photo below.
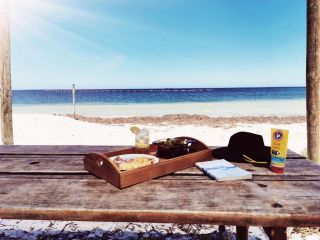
(142, 141)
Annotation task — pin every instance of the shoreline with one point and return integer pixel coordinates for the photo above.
(213, 109)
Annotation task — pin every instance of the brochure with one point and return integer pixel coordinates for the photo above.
(222, 170)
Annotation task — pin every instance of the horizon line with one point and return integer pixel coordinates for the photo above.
(164, 88)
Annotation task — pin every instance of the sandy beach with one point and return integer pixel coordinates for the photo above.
(108, 124)
(51, 129)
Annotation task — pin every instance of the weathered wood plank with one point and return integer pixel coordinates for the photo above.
(172, 177)
(66, 160)
(293, 167)
(28, 176)
(56, 164)
(30, 156)
(5, 75)
(42, 164)
(56, 149)
(74, 150)
(74, 163)
(293, 154)
(313, 79)
(234, 203)
(254, 178)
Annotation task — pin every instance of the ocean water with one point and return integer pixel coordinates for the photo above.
(216, 102)
(153, 96)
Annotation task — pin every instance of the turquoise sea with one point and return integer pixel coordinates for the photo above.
(165, 95)
(277, 101)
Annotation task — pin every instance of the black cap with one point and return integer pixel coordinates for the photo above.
(245, 143)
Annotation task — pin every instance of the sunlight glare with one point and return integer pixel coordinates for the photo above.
(46, 19)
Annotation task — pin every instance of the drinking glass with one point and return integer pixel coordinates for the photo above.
(142, 141)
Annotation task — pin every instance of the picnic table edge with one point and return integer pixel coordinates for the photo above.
(182, 217)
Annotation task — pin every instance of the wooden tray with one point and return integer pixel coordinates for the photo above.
(99, 165)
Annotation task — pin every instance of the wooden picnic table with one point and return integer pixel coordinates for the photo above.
(49, 182)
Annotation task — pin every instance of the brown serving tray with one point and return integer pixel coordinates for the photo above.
(99, 165)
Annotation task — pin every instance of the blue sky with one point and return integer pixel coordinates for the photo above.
(157, 43)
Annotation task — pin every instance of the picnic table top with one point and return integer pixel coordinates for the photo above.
(49, 182)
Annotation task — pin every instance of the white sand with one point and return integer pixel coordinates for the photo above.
(31, 230)
(51, 130)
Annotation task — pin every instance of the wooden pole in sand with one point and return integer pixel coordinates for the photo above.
(74, 100)
(313, 79)
(5, 76)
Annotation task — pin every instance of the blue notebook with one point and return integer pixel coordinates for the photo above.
(222, 170)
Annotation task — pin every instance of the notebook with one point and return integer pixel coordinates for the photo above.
(222, 170)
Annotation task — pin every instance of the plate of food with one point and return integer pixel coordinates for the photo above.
(127, 162)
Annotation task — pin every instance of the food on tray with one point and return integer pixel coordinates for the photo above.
(133, 161)
(173, 141)
(173, 147)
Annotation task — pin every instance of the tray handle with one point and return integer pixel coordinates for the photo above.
(102, 161)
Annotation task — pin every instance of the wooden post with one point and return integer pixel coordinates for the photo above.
(276, 233)
(242, 232)
(313, 79)
(222, 229)
(5, 76)
(74, 100)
